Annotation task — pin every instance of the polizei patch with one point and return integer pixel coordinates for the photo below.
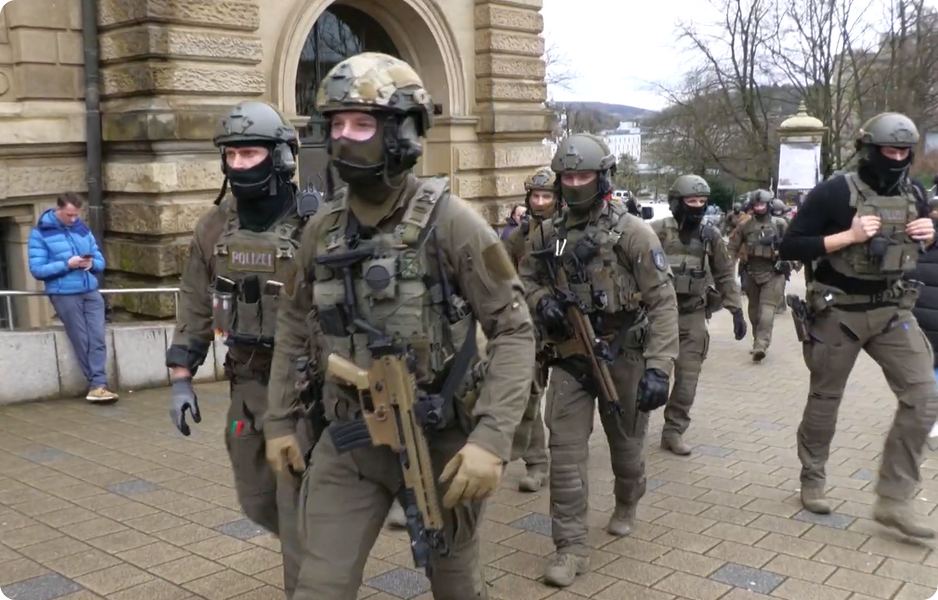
(658, 257)
(255, 260)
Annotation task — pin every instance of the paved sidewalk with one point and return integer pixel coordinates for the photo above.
(110, 502)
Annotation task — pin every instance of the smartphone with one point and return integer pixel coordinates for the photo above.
(87, 256)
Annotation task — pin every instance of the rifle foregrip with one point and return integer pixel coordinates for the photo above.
(347, 371)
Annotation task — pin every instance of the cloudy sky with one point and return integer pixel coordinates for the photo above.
(618, 46)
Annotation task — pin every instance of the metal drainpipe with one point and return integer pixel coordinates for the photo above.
(93, 155)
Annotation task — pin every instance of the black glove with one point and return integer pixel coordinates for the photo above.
(739, 324)
(553, 318)
(652, 390)
(184, 399)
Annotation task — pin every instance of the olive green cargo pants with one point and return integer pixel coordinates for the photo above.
(763, 291)
(534, 453)
(695, 343)
(569, 417)
(344, 500)
(266, 499)
(891, 336)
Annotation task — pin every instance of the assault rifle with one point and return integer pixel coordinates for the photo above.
(393, 418)
(590, 345)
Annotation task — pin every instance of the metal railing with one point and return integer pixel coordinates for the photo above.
(8, 296)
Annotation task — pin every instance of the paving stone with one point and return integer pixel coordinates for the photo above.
(864, 475)
(767, 426)
(754, 580)
(133, 487)
(401, 583)
(534, 522)
(46, 455)
(712, 450)
(243, 529)
(835, 520)
(653, 484)
(44, 587)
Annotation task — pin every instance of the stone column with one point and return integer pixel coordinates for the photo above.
(510, 94)
(169, 70)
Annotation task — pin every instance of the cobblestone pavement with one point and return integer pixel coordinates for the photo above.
(109, 502)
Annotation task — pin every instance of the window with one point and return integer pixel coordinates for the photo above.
(340, 32)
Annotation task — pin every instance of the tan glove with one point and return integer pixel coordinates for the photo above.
(477, 474)
(284, 453)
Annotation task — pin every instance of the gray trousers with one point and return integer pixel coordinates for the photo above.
(83, 317)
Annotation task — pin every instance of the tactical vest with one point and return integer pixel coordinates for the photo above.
(692, 277)
(397, 291)
(590, 259)
(761, 238)
(250, 270)
(890, 253)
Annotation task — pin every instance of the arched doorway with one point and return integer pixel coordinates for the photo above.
(340, 31)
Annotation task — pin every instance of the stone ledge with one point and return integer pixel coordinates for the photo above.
(151, 258)
(50, 179)
(242, 15)
(136, 79)
(160, 41)
(135, 359)
(530, 4)
(501, 157)
(495, 121)
(146, 216)
(507, 42)
(63, 123)
(504, 17)
(490, 185)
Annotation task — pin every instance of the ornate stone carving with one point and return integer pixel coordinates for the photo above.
(497, 65)
(152, 77)
(507, 42)
(504, 17)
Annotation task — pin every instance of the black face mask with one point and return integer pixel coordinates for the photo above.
(248, 185)
(881, 173)
(689, 216)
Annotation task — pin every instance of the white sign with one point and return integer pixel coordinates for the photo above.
(799, 166)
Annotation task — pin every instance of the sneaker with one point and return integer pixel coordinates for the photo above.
(101, 395)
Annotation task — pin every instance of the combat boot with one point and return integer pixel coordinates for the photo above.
(814, 500)
(564, 568)
(898, 514)
(758, 355)
(534, 479)
(622, 520)
(396, 518)
(674, 442)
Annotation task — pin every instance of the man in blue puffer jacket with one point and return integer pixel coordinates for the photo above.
(64, 255)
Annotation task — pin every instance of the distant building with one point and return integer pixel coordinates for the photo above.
(625, 139)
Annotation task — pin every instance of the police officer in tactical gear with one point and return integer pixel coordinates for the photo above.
(240, 257)
(733, 219)
(400, 258)
(783, 211)
(705, 281)
(530, 444)
(764, 280)
(863, 232)
(620, 278)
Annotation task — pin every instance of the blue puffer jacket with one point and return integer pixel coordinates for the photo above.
(51, 244)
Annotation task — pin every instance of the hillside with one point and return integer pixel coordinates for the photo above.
(623, 112)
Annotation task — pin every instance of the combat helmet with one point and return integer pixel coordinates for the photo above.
(779, 208)
(390, 89)
(888, 129)
(259, 124)
(584, 153)
(542, 179)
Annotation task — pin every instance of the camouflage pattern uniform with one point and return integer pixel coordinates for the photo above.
(447, 269)
(622, 280)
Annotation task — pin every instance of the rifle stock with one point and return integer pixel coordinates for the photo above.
(387, 391)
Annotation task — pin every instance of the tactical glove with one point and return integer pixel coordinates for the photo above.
(184, 399)
(739, 324)
(552, 317)
(652, 390)
(284, 455)
(477, 474)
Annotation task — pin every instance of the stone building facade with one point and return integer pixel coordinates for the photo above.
(170, 67)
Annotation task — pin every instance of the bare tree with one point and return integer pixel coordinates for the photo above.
(733, 53)
(559, 69)
(822, 49)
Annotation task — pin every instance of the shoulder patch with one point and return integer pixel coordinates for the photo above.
(498, 263)
(658, 257)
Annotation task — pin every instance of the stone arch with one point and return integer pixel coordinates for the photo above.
(417, 28)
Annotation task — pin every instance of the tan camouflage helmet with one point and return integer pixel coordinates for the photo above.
(541, 179)
(372, 81)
